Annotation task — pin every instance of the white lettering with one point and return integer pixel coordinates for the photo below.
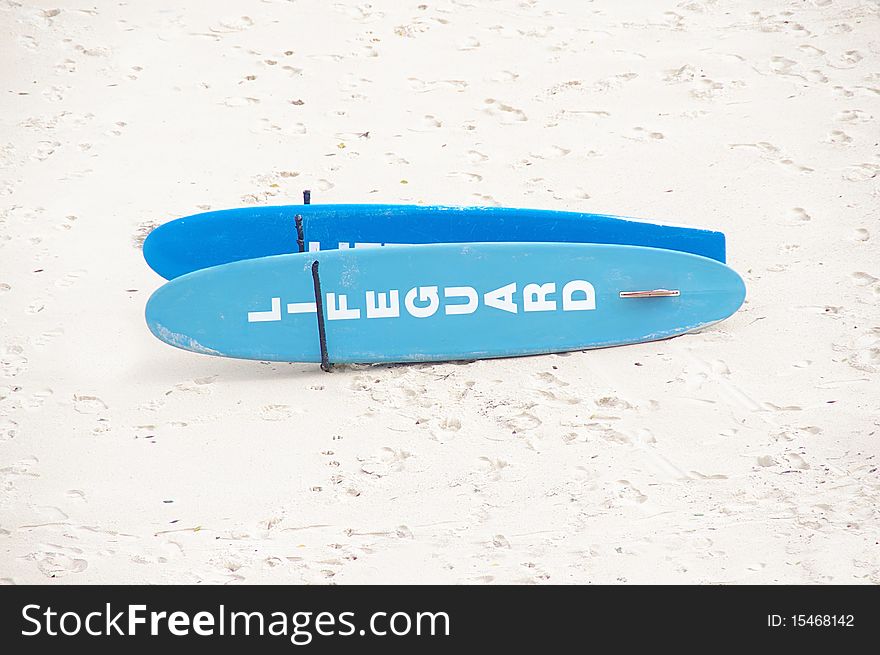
(154, 621)
(569, 304)
(340, 312)
(89, 616)
(178, 624)
(203, 624)
(273, 314)
(24, 615)
(424, 301)
(112, 623)
(426, 294)
(383, 308)
(535, 297)
(134, 619)
(502, 298)
(302, 308)
(76, 622)
(468, 307)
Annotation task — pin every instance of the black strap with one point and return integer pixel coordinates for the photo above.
(307, 197)
(300, 237)
(319, 305)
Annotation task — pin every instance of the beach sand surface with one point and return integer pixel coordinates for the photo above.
(745, 453)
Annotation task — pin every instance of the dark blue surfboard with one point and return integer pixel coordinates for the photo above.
(219, 237)
(443, 302)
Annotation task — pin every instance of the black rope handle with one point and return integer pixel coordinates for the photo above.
(319, 305)
(300, 237)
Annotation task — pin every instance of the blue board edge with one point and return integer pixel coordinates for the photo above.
(177, 247)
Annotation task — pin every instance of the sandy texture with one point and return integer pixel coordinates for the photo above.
(745, 453)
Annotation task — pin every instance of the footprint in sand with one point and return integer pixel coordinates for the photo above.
(233, 24)
(36, 306)
(66, 66)
(800, 216)
(612, 403)
(241, 101)
(93, 51)
(278, 412)
(466, 177)
(422, 86)
(8, 429)
(854, 116)
(507, 114)
(394, 159)
(849, 59)
(37, 398)
(69, 220)
(12, 361)
(69, 279)
(116, 130)
(451, 424)
(811, 50)
(504, 76)
(29, 42)
(45, 338)
(641, 134)
(686, 73)
(55, 93)
(866, 353)
(492, 467)
(622, 492)
(861, 172)
(862, 279)
(816, 75)
(88, 404)
(9, 475)
(838, 137)
(58, 561)
(783, 66)
(794, 166)
(485, 200)
(797, 462)
(551, 152)
(45, 149)
(614, 82)
(196, 385)
(429, 122)
(387, 461)
(522, 422)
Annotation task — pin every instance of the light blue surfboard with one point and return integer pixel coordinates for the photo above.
(219, 237)
(443, 302)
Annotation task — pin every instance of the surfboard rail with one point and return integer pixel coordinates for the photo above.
(219, 237)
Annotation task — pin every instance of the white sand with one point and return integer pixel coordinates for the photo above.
(745, 453)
